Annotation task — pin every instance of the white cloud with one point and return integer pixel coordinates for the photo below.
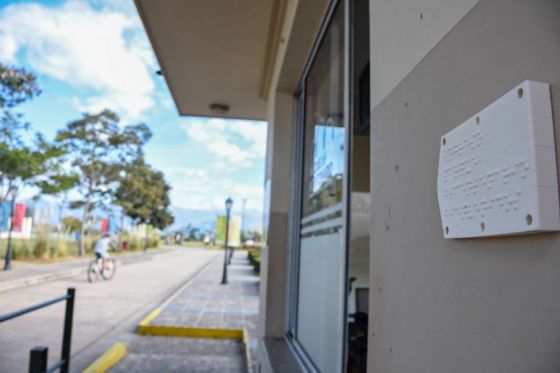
(203, 189)
(103, 49)
(234, 143)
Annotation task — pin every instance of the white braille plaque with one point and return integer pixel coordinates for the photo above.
(497, 171)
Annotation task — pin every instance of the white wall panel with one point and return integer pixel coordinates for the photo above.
(321, 298)
(403, 32)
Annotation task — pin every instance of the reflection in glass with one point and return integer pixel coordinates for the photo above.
(324, 126)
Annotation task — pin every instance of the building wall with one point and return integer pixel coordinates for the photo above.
(470, 305)
(403, 32)
(274, 255)
(301, 24)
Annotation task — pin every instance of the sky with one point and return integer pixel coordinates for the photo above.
(94, 54)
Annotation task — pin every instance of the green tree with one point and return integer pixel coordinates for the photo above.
(37, 165)
(98, 148)
(71, 224)
(255, 235)
(143, 194)
(193, 233)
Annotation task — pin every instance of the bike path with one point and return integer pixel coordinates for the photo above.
(31, 274)
(105, 311)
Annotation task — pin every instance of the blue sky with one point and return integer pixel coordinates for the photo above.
(94, 54)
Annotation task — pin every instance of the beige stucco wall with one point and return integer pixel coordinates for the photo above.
(301, 23)
(403, 32)
(476, 305)
(275, 253)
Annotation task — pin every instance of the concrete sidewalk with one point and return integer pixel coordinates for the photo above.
(31, 274)
(203, 304)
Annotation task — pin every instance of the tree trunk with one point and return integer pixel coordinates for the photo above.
(9, 253)
(146, 239)
(121, 232)
(85, 215)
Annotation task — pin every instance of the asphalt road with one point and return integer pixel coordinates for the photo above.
(105, 312)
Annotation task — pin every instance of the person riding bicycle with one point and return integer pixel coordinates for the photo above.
(101, 249)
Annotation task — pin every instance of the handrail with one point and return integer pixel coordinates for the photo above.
(58, 365)
(36, 307)
(39, 355)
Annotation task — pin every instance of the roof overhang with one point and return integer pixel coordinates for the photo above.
(215, 52)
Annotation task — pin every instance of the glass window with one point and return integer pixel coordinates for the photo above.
(324, 122)
(320, 280)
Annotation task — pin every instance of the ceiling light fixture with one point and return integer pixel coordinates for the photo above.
(219, 108)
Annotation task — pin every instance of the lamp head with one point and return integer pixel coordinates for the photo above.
(229, 203)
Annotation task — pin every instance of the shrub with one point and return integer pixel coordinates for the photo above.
(41, 247)
(61, 246)
(57, 248)
(136, 243)
(21, 249)
(255, 259)
(153, 241)
(89, 241)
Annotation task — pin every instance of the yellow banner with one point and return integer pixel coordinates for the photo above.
(234, 237)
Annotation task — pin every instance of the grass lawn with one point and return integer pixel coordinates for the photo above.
(52, 251)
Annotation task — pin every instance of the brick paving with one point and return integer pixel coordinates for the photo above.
(203, 303)
(148, 354)
(206, 303)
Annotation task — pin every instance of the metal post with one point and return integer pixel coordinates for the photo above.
(9, 250)
(67, 334)
(38, 360)
(231, 250)
(224, 275)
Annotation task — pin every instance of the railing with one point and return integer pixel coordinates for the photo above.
(38, 359)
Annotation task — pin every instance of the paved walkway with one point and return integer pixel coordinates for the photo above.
(203, 303)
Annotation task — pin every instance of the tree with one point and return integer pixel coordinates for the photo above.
(143, 194)
(16, 86)
(71, 224)
(255, 235)
(37, 165)
(193, 233)
(98, 148)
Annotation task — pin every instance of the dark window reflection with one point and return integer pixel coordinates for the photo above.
(324, 126)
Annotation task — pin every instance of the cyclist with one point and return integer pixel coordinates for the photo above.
(101, 249)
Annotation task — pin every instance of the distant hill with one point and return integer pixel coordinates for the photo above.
(205, 220)
(48, 212)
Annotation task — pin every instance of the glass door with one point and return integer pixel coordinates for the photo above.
(320, 281)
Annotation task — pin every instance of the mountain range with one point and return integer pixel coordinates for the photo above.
(205, 220)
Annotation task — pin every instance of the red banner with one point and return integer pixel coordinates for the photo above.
(19, 215)
(104, 226)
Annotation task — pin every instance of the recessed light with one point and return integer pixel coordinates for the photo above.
(219, 108)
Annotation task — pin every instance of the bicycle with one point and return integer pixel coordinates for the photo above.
(95, 269)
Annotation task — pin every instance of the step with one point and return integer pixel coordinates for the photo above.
(169, 354)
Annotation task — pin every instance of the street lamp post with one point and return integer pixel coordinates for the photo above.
(229, 204)
(8, 263)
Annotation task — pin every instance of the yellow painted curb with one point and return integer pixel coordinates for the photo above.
(150, 317)
(180, 331)
(247, 351)
(112, 356)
